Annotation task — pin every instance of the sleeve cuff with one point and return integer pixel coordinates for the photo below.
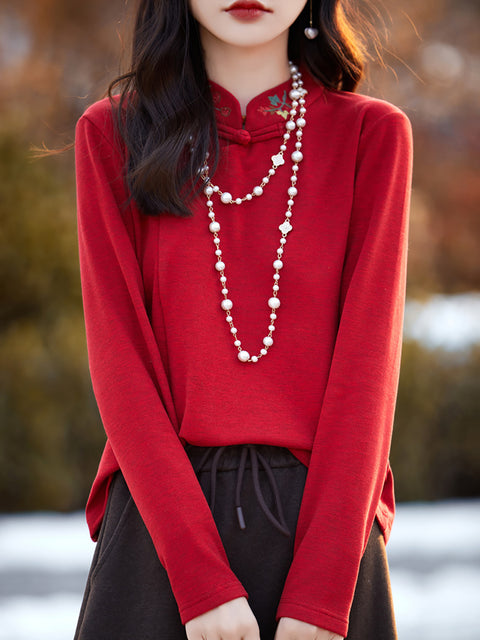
(209, 601)
(318, 617)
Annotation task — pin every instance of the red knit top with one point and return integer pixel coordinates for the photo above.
(162, 360)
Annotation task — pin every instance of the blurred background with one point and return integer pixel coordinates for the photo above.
(58, 56)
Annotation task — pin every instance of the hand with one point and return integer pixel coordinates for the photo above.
(291, 629)
(233, 620)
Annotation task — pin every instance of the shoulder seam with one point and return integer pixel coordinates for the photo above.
(98, 129)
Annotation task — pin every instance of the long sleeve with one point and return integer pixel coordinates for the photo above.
(128, 375)
(349, 457)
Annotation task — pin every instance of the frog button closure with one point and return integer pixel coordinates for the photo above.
(242, 136)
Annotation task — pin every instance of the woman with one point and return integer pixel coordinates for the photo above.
(243, 233)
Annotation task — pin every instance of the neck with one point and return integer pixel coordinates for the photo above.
(237, 69)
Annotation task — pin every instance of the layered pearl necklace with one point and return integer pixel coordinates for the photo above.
(293, 125)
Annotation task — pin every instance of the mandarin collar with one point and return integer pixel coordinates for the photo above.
(266, 113)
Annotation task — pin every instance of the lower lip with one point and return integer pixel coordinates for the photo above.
(247, 14)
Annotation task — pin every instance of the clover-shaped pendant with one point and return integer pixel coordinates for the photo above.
(278, 160)
(285, 227)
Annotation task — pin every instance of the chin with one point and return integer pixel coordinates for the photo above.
(247, 35)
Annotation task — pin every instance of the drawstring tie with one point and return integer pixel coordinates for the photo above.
(255, 456)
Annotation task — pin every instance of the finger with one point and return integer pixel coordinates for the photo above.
(254, 634)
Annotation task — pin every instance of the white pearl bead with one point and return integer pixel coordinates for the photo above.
(277, 264)
(295, 94)
(229, 318)
(268, 341)
(303, 110)
(266, 180)
(218, 252)
(226, 197)
(209, 203)
(276, 276)
(292, 191)
(211, 215)
(226, 304)
(208, 191)
(271, 327)
(293, 69)
(280, 251)
(297, 156)
(258, 191)
(220, 266)
(238, 201)
(290, 126)
(283, 240)
(301, 122)
(243, 356)
(271, 172)
(283, 147)
(273, 303)
(290, 203)
(293, 112)
(224, 292)
(276, 287)
(288, 214)
(233, 330)
(263, 352)
(216, 188)
(223, 279)
(273, 316)
(286, 136)
(214, 227)
(216, 241)
(237, 343)
(254, 359)
(295, 168)
(248, 196)
(298, 145)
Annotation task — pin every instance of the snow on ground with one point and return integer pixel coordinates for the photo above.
(50, 617)
(424, 530)
(448, 321)
(442, 605)
(434, 555)
(52, 543)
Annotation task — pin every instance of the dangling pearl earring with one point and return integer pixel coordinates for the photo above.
(310, 32)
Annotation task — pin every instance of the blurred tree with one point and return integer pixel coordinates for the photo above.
(50, 436)
(436, 441)
(436, 80)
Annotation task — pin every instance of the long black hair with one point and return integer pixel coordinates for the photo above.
(165, 113)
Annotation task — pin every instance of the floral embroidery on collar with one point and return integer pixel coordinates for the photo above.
(279, 106)
(224, 111)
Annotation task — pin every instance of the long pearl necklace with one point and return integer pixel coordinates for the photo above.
(293, 125)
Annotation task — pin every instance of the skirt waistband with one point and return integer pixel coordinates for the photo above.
(241, 457)
(231, 454)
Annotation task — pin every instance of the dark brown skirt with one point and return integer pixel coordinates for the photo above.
(128, 594)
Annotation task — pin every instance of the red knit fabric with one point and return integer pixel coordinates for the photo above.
(162, 360)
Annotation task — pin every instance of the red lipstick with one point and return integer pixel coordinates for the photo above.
(247, 10)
